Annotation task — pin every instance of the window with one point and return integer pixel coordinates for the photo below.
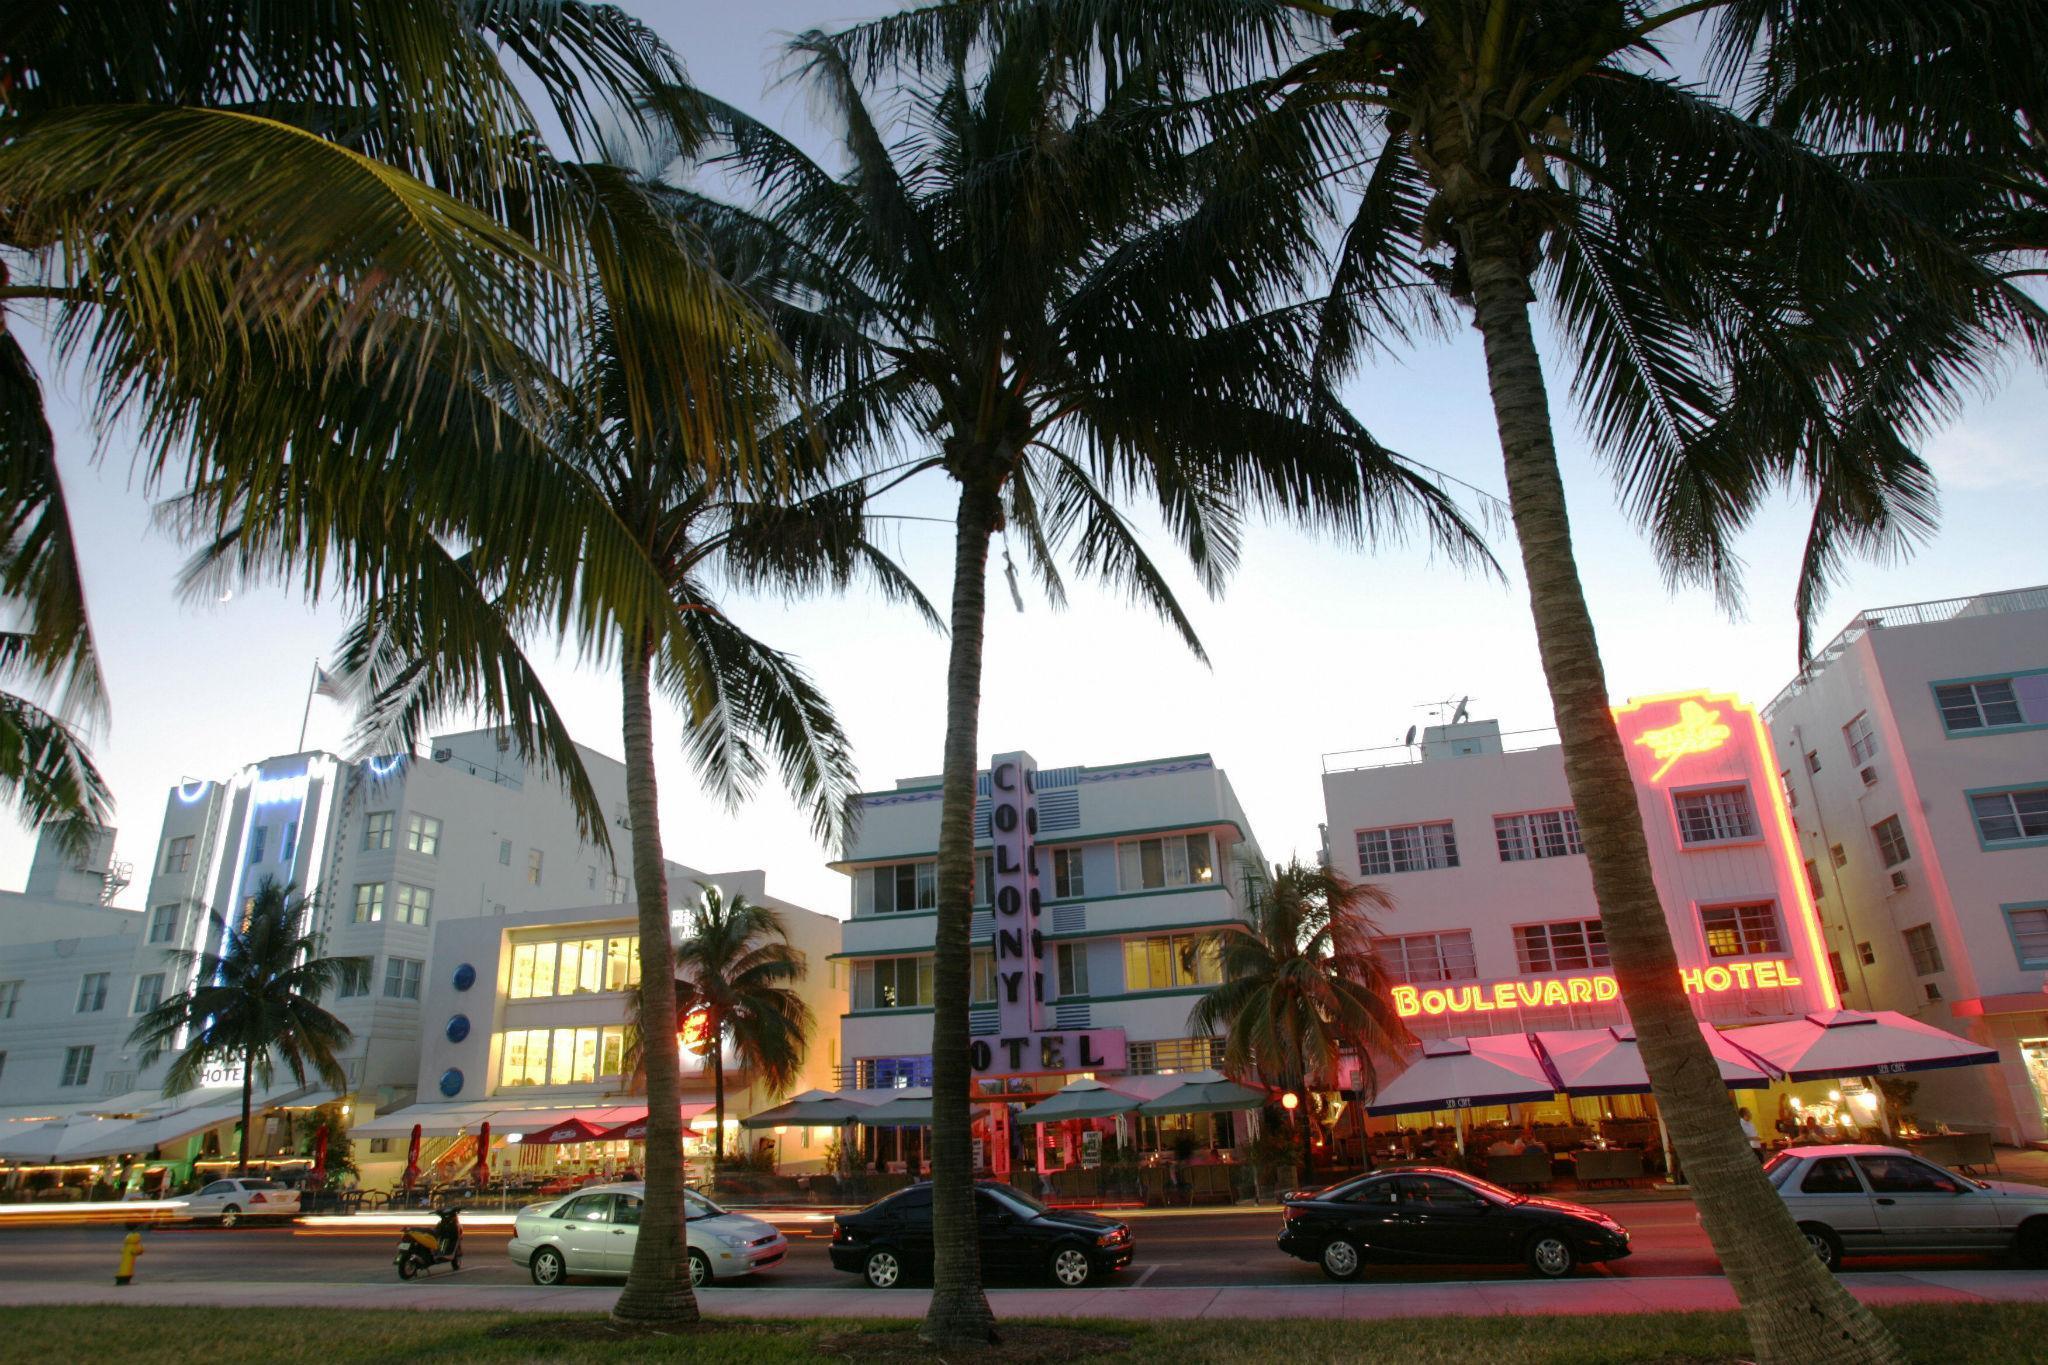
(1153, 864)
(423, 835)
(10, 995)
(1163, 962)
(615, 887)
(1428, 957)
(92, 993)
(1567, 946)
(1406, 848)
(1830, 1175)
(1932, 989)
(1813, 886)
(1839, 972)
(290, 846)
(577, 966)
(1716, 816)
(163, 924)
(1978, 705)
(562, 1056)
(1866, 954)
(1861, 739)
(1813, 760)
(256, 837)
(981, 977)
(504, 853)
(899, 888)
(380, 1146)
(1905, 1175)
(3, 1064)
(892, 983)
(1924, 948)
(77, 1065)
(1891, 841)
(984, 880)
(533, 859)
(1070, 962)
(149, 992)
(590, 878)
(2005, 817)
(1067, 879)
(1176, 1054)
(369, 903)
(355, 977)
(1539, 834)
(401, 978)
(1785, 786)
(178, 854)
(2028, 925)
(377, 829)
(1741, 930)
(1838, 855)
(415, 904)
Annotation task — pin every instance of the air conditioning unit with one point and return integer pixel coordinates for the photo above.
(1898, 880)
(443, 755)
(1869, 776)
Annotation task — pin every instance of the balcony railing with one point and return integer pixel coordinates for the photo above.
(1911, 614)
(1399, 755)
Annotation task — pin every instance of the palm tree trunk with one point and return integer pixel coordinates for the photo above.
(1796, 1310)
(248, 1090)
(658, 1284)
(717, 1102)
(959, 1314)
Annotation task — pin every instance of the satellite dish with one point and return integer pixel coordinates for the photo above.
(1459, 715)
(1411, 736)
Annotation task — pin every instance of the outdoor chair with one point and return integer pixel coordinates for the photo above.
(1973, 1151)
(1210, 1184)
(1523, 1168)
(1623, 1166)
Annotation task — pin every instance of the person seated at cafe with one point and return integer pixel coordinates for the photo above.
(1503, 1146)
(1530, 1146)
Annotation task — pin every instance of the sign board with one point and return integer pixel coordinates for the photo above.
(1589, 989)
(1091, 1149)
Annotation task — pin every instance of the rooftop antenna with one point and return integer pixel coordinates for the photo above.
(1410, 741)
(1463, 711)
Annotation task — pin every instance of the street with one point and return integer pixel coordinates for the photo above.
(1174, 1250)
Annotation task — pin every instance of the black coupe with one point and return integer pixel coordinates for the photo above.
(1427, 1214)
(888, 1242)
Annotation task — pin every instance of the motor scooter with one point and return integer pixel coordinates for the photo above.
(420, 1250)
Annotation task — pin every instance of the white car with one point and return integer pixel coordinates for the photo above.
(1855, 1200)
(594, 1231)
(229, 1202)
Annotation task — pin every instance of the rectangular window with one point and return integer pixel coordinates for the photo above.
(1866, 954)
(984, 880)
(10, 996)
(615, 886)
(377, 826)
(590, 878)
(2028, 925)
(1813, 886)
(1407, 848)
(163, 924)
(522, 1058)
(415, 904)
(149, 992)
(1924, 949)
(290, 846)
(369, 903)
(533, 861)
(1839, 972)
(981, 977)
(92, 993)
(1741, 930)
(77, 1065)
(355, 977)
(402, 978)
(892, 983)
(178, 854)
(1071, 967)
(1176, 1055)
(1067, 881)
(1978, 705)
(1168, 961)
(423, 835)
(621, 964)
(1838, 855)
(1717, 816)
(612, 1051)
(1156, 864)
(1785, 786)
(1861, 738)
(504, 853)
(1428, 957)
(1813, 760)
(901, 888)
(256, 837)
(1566, 946)
(1891, 841)
(2005, 817)
(1538, 834)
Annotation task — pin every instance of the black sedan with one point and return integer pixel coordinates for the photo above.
(888, 1242)
(1431, 1215)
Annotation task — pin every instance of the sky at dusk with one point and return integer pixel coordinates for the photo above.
(1315, 648)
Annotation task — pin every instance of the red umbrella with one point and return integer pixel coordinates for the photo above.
(483, 1153)
(412, 1161)
(633, 1130)
(317, 1177)
(575, 1128)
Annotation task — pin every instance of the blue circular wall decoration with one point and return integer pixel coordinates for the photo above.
(458, 1027)
(451, 1082)
(465, 977)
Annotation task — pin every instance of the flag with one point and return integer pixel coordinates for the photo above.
(326, 684)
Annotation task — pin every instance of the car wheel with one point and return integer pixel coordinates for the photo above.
(230, 1216)
(1071, 1268)
(1550, 1255)
(700, 1269)
(546, 1267)
(1341, 1259)
(1825, 1244)
(883, 1269)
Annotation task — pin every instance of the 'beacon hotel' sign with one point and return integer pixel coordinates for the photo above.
(1022, 1045)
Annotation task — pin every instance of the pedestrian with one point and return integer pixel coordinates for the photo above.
(1756, 1143)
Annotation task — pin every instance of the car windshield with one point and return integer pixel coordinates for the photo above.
(261, 1185)
(696, 1206)
(1491, 1190)
(1018, 1198)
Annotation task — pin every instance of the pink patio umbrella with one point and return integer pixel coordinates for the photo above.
(1468, 1073)
(412, 1161)
(1607, 1061)
(635, 1129)
(317, 1177)
(1831, 1043)
(483, 1153)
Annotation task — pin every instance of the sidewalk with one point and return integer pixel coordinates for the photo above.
(1593, 1295)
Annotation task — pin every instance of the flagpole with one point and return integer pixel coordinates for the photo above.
(306, 717)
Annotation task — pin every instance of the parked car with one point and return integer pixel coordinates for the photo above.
(888, 1242)
(1428, 1214)
(594, 1231)
(1854, 1200)
(229, 1202)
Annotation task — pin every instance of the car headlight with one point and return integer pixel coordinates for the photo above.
(737, 1243)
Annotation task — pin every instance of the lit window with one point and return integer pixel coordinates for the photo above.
(892, 983)
(369, 903)
(1719, 815)
(1538, 834)
(2005, 817)
(1978, 705)
(1407, 848)
(415, 904)
(1566, 946)
(1156, 864)
(1924, 949)
(1741, 930)
(981, 977)
(423, 835)
(1428, 957)
(377, 827)
(1170, 961)
(1891, 841)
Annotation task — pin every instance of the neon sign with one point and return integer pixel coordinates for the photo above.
(696, 1035)
(1590, 989)
(271, 790)
(1697, 731)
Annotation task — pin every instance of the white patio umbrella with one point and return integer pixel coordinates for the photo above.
(1606, 1061)
(907, 1111)
(1205, 1092)
(1833, 1043)
(813, 1108)
(1467, 1073)
(1080, 1100)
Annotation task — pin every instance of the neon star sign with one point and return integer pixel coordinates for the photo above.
(696, 1035)
(1697, 731)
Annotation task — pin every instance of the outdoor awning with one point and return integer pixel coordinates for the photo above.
(575, 1128)
(1834, 1043)
(1607, 1061)
(910, 1110)
(34, 1142)
(1466, 1073)
(1080, 1100)
(436, 1120)
(1205, 1092)
(813, 1108)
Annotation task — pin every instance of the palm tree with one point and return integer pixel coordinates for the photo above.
(734, 966)
(1046, 289)
(255, 998)
(1743, 312)
(1302, 985)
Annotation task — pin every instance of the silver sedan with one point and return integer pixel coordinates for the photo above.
(1853, 1200)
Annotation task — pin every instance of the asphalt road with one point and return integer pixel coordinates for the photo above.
(1177, 1250)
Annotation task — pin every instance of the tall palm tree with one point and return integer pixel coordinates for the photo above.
(1045, 288)
(1744, 313)
(735, 965)
(1302, 985)
(254, 998)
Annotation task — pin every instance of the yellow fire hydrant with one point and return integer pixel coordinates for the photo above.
(131, 1247)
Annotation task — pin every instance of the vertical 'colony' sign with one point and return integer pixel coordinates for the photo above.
(1022, 1045)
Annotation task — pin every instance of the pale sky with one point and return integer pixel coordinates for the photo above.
(1316, 649)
